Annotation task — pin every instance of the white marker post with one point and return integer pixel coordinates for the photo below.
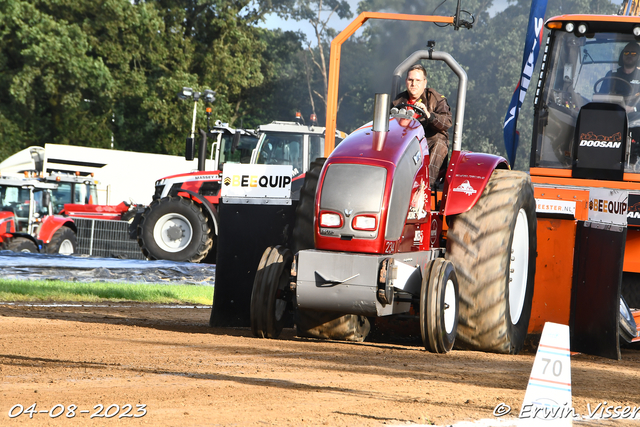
(548, 395)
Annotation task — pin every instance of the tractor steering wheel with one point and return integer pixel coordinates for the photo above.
(417, 109)
(627, 85)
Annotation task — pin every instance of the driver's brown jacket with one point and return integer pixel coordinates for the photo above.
(435, 127)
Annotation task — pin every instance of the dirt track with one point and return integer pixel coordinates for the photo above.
(189, 374)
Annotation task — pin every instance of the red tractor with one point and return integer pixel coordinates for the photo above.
(30, 220)
(181, 223)
(460, 261)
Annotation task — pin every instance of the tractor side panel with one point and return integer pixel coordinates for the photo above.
(7, 222)
(248, 230)
(554, 273)
(632, 251)
(558, 212)
(595, 296)
(109, 212)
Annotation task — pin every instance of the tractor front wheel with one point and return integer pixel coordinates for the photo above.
(439, 306)
(175, 229)
(493, 248)
(63, 242)
(269, 299)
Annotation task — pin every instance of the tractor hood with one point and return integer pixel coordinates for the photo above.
(367, 185)
(362, 143)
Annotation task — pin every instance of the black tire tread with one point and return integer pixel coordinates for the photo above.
(303, 231)
(478, 244)
(434, 337)
(273, 265)
(18, 244)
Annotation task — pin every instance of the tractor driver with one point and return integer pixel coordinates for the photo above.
(626, 79)
(437, 119)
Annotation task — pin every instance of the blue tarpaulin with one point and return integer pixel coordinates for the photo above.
(29, 266)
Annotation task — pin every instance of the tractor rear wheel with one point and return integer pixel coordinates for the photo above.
(22, 244)
(439, 306)
(63, 242)
(175, 229)
(269, 294)
(493, 248)
(312, 323)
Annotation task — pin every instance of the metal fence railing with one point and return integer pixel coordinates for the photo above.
(106, 238)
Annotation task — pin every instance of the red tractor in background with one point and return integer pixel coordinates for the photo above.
(382, 246)
(31, 207)
(182, 222)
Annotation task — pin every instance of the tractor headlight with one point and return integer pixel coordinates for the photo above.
(569, 27)
(330, 219)
(364, 222)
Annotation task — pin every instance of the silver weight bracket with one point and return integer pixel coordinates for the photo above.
(255, 201)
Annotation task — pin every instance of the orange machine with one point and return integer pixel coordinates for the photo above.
(585, 168)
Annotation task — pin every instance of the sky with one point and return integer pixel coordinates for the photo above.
(338, 24)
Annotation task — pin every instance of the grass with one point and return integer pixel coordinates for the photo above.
(57, 291)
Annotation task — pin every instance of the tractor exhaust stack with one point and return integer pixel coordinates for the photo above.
(380, 120)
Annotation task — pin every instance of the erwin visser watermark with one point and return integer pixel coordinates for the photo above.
(601, 410)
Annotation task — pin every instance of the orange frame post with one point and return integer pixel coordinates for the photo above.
(334, 63)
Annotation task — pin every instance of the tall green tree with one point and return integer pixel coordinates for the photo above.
(53, 88)
(317, 13)
(106, 72)
(283, 89)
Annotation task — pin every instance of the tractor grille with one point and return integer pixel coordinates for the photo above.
(107, 239)
(351, 190)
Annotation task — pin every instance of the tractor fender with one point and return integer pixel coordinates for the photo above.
(467, 176)
(199, 198)
(51, 224)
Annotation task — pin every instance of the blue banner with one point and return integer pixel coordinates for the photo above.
(531, 49)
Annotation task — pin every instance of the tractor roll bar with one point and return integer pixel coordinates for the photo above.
(334, 63)
(462, 85)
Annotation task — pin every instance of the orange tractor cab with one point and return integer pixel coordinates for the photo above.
(586, 175)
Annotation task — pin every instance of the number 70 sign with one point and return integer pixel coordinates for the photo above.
(550, 381)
